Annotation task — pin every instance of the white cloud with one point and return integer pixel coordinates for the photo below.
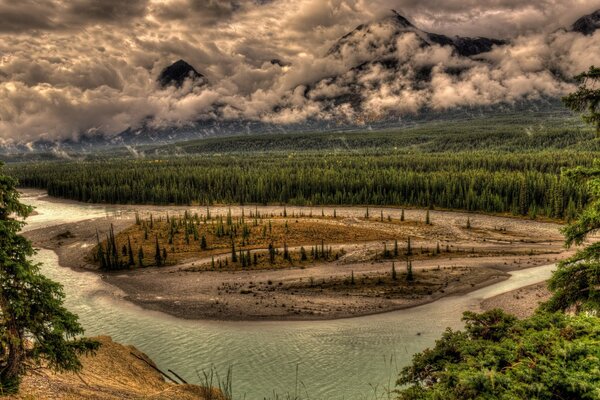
(68, 68)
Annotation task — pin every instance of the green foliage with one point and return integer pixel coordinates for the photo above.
(548, 356)
(482, 181)
(576, 283)
(587, 97)
(35, 328)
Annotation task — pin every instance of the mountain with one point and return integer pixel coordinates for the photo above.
(379, 68)
(384, 34)
(391, 55)
(176, 73)
(587, 24)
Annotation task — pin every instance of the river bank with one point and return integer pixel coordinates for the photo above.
(115, 372)
(342, 359)
(321, 291)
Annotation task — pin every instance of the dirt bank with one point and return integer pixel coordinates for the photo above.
(115, 372)
(521, 302)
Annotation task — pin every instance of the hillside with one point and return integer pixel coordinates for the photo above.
(113, 373)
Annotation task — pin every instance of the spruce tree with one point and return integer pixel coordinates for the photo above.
(157, 255)
(35, 327)
(233, 253)
(303, 256)
(130, 252)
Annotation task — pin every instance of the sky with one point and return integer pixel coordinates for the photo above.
(69, 68)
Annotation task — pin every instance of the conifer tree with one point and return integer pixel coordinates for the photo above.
(157, 255)
(130, 252)
(35, 327)
(409, 271)
(233, 253)
(303, 256)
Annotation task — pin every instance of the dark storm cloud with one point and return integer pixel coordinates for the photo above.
(26, 15)
(106, 10)
(46, 15)
(207, 12)
(81, 66)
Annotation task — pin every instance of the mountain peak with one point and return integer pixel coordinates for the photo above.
(401, 20)
(177, 73)
(587, 24)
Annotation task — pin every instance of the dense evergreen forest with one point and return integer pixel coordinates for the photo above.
(521, 183)
(499, 164)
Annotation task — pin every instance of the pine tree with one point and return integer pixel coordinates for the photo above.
(141, 257)
(402, 215)
(35, 327)
(271, 253)
(408, 248)
(233, 253)
(203, 244)
(130, 252)
(286, 254)
(394, 275)
(303, 256)
(164, 254)
(409, 271)
(396, 248)
(157, 255)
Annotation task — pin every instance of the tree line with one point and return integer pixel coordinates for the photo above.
(521, 184)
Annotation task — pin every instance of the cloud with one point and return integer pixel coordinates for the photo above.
(25, 16)
(71, 68)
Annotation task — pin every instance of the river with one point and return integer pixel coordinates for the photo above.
(356, 358)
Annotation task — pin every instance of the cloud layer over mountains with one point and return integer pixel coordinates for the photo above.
(77, 67)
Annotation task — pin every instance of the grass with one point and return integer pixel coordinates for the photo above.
(250, 234)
